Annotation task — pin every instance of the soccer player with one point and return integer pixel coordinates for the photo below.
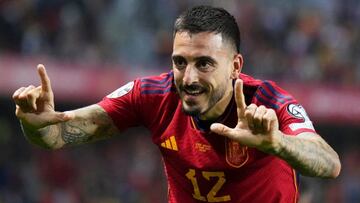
(223, 135)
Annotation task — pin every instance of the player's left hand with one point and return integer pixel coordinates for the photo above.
(257, 125)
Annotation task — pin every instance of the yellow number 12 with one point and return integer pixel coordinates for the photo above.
(211, 196)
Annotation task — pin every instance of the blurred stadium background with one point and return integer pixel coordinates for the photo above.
(91, 47)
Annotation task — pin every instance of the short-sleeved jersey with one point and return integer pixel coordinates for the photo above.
(201, 166)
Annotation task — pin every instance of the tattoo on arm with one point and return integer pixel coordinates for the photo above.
(72, 134)
(90, 123)
(310, 157)
(96, 126)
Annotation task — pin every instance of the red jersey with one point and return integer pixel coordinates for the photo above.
(201, 166)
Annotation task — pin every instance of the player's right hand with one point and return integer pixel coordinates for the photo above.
(257, 126)
(35, 105)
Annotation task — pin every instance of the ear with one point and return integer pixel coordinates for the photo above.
(237, 66)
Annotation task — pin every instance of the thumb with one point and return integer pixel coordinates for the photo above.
(47, 118)
(68, 115)
(57, 117)
(221, 129)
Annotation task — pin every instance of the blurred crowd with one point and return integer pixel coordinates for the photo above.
(308, 40)
(128, 169)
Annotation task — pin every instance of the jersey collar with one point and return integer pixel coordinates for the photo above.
(204, 125)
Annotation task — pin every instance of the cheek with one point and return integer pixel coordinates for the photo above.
(218, 80)
(177, 77)
(220, 84)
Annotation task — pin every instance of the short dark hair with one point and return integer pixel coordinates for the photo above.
(209, 19)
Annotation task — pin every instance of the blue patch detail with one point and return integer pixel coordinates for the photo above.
(157, 85)
(282, 101)
(158, 81)
(163, 91)
(266, 103)
(275, 92)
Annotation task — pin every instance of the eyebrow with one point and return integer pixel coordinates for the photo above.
(206, 58)
(177, 57)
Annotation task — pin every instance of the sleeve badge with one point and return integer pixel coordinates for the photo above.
(297, 111)
(122, 90)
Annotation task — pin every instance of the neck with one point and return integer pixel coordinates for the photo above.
(219, 108)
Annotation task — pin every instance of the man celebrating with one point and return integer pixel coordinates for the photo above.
(224, 136)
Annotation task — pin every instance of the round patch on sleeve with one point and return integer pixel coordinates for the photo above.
(297, 111)
(122, 90)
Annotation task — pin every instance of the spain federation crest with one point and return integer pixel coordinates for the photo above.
(236, 154)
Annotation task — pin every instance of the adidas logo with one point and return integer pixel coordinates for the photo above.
(170, 143)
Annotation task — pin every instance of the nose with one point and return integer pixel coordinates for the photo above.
(190, 75)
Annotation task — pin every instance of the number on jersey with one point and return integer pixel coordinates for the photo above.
(211, 195)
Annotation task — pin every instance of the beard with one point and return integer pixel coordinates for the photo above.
(197, 110)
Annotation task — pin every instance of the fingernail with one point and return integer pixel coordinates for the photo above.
(214, 126)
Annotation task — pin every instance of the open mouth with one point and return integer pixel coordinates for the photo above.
(193, 92)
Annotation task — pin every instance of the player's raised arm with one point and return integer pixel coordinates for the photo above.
(44, 126)
(253, 121)
(258, 127)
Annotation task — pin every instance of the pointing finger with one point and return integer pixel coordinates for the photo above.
(240, 98)
(45, 81)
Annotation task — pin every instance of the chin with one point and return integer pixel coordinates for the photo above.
(191, 111)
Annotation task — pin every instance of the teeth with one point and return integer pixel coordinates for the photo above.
(193, 92)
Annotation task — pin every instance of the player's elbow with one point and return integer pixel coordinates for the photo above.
(333, 169)
(336, 168)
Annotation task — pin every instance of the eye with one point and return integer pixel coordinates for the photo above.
(179, 62)
(204, 65)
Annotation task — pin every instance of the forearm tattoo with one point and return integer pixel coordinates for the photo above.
(90, 124)
(311, 158)
(72, 134)
(78, 131)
